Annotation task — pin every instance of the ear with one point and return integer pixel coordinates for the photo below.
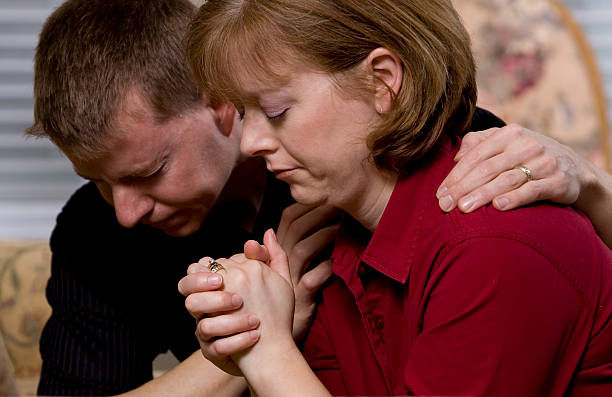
(224, 114)
(388, 73)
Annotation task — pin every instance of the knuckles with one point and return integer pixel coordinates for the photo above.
(473, 138)
(512, 131)
(192, 303)
(206, 328)
(300, 253)
(291, 212)
(512, 179)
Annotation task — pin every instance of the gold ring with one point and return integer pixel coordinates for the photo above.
(214, 266)
(526, 170)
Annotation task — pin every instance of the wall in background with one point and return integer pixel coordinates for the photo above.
(595, 17)
(35, 179)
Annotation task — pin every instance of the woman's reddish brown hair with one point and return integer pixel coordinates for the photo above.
(233, 40)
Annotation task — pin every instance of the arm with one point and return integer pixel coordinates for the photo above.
(485, 173)
(73, 330)
(80, 323)
(187, 379)
(595, 200)
(304, 232)
(268, 292)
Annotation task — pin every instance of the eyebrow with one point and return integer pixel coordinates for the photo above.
(141, 173)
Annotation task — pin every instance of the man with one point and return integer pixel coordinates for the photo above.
(168, 186)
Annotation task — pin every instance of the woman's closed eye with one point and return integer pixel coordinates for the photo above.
(275, 115)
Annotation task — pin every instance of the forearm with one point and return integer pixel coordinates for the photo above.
(286, 373)
(595, 200)
(195, 376)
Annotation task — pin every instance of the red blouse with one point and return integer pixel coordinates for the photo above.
(512, 303)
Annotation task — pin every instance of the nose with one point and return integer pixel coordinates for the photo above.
(131, 205)
(257, 139)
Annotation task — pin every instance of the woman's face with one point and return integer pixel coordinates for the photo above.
(312, 136)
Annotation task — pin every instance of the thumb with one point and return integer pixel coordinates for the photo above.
(255, 251)
(278, 258)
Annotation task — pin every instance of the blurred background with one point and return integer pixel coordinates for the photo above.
(35, 179)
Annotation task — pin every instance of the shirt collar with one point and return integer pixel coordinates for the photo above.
(392, 248)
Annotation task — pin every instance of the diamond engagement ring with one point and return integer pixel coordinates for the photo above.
(214, 266)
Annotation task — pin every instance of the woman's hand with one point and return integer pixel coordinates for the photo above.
(266, 287)
(486, 172)
(217, 315)
(303, 233)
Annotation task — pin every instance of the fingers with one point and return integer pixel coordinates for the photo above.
(504, 183)
(255, 251)
(203, 266)
(314, 279)
(278, 258)
(200, 266)
(495, 142)
(305, 291)
(299, 221)
(289, 215)
(222, 347)
(226, 325)
(209, 303)
(550, 185)
(557, 186)
(200, 282)
(501, 151)
(528, 193)
(472, 139)
(304, 251)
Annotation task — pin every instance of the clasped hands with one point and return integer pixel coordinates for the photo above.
(263, 299)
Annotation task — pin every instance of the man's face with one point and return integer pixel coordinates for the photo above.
(167, 175)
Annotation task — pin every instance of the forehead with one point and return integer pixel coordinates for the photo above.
(139, 141)
(251, 85)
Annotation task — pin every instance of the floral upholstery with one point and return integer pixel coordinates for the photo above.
(536, 69)
(24, 270)
(7, 379)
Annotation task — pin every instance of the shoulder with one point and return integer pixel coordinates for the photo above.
(541, 239)
(85, 207)
(547, 228)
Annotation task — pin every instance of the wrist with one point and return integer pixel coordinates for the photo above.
(266, 366)
(592, 190)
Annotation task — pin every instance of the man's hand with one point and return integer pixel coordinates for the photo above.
(304, 232)
(486, 171)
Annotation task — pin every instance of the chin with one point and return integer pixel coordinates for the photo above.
(307, 196)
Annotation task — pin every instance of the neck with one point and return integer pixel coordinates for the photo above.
(372, 200)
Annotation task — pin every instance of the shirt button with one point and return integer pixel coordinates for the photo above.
(361, 271)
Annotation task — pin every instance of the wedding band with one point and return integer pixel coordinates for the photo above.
(526, 170)
(214, 266)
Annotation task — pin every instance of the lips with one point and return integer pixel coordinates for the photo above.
(282, 173)
(164, 223)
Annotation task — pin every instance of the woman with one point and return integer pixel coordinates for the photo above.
(358, 104)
